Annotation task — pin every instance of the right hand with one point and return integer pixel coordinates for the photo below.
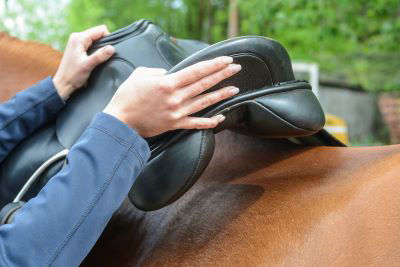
(76, 65)
(152, 103)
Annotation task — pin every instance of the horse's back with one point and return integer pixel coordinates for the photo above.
(270, 202)
(23, 64)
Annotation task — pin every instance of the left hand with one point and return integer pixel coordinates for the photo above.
(76, 65)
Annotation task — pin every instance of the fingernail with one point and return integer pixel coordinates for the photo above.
(234, 90)
(109, 49)
(227, 60)
(220, 118)
(235, 68)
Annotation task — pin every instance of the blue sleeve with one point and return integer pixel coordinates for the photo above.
(62, 223)
(26, 112)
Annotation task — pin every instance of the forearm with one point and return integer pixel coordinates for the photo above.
(61, 224)
(26, 112)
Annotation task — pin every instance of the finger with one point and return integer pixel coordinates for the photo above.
(207, 82)
(156, 72)
(203, 101)
(199, 70)
(94, 34)
(149, 71)
(99, 56)
(199, 123)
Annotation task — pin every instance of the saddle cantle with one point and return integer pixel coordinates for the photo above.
(271, 104)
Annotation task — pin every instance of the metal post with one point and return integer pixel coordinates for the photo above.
(312, 70)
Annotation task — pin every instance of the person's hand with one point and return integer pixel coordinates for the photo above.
(76, 65)
(152, 103)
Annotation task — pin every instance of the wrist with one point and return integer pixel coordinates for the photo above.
(63, 88)
(116, 114)
(121, 116)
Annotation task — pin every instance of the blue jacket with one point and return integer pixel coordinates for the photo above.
(62, 223)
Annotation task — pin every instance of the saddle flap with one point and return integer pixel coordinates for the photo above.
(169, 175)
(24, 160)
(74, 119)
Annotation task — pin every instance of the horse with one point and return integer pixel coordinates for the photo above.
(23, 64)
(259, 202)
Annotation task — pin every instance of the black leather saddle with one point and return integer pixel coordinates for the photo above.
(271, 104)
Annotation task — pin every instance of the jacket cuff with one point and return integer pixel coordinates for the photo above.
(122, 133)
(55, 103)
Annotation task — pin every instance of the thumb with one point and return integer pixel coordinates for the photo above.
(100, 56)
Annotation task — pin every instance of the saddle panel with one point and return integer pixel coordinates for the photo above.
(321, 138)
(286, 114)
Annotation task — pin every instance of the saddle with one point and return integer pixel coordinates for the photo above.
(270, 104)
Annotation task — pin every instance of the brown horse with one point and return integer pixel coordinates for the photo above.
(23, 64)
(260, 202)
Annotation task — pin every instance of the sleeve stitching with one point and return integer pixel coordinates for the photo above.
(123, 142)
(134, 151)
(117, 138)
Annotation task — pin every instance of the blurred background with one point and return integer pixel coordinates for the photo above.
(349, 50)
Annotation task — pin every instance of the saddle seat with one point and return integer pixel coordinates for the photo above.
(270, 104)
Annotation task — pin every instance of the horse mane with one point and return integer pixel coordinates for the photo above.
(24, 63)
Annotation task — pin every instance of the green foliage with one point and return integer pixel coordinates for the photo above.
(357, 41)
(184, 18)
(369, 140)
(35, 20)
(352, 40)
